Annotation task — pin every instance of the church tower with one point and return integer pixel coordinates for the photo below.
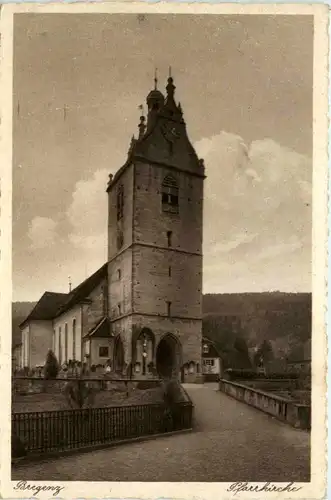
(155, 247)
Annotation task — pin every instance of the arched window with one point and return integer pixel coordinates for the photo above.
(120, 201)
(74, 339)
(60, 347)
(170, 195)
(66, 343)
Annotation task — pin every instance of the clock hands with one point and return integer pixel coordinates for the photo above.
(174, 132)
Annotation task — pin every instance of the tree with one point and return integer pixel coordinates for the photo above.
(264, 354)
(51, 369)
(242, 359)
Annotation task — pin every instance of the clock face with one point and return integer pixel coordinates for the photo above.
(170, 131)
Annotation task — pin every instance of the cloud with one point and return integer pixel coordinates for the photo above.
(42, 233)
(231, 244)
(257, 215)
(87, 212)
(87, 215)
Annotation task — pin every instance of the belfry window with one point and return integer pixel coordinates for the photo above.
(170, 195)
(120, 202)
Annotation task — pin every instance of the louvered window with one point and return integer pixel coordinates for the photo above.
(170, 201)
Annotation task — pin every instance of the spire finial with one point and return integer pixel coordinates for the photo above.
(170, 86)
(155, 79)
(70, 284)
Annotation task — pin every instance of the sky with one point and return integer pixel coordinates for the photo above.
(245, 86)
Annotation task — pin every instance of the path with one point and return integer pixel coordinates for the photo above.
(231, 442)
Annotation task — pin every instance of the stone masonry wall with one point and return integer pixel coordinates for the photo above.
(119, 289)
(153, 287)
(151, 223)
(95, 310)
(188, 332)
(125, 224)
(123, 327)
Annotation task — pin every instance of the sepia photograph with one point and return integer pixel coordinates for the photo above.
(163, 250)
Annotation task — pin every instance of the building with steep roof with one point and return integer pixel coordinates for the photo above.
(142, 310)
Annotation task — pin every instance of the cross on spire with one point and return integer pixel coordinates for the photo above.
(155, 79)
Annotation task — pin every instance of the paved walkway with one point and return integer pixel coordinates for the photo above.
(231, 442)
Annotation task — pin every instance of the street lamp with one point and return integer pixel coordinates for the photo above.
(144, 354)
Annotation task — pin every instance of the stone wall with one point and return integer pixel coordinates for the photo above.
(153, 287)
(120, 285)
(188, 332)
(297, 415)
(271, 384)
(125, 224)
(123, 327)
(95, 311)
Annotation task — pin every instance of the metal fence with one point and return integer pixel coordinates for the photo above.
(42, 432)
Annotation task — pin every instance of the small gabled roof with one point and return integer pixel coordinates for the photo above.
(46, 307)
(102, 329)
(206, 340)
(81, 292)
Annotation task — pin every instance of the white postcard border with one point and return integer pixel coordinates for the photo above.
(317, 487)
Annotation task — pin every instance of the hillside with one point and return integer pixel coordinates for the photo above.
(284, 319)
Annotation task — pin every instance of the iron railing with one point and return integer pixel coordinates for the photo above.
(42, 432)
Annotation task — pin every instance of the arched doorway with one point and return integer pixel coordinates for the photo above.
(168, 356)
(118, 354)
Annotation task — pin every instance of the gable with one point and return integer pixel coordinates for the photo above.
(46, 307)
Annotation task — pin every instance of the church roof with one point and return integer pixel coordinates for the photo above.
(46, 307)
(82, 291)
(52, 304)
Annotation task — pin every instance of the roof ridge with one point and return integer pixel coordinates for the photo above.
(87, 279)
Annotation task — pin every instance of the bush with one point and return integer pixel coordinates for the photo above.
(171, 393)
(51, 369)
(78, 394)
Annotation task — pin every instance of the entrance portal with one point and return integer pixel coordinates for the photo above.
(168, 356)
